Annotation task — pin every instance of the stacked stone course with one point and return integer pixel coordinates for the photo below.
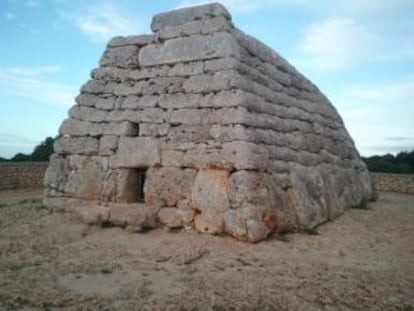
(234, 139)
(18, 175)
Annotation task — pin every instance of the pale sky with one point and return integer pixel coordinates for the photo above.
(360, 53)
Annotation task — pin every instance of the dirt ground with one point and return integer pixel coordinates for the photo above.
(49, 261)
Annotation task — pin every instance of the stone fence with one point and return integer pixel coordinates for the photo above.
(394, 182)
(17, 175)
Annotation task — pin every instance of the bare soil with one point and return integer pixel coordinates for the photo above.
(50, 261)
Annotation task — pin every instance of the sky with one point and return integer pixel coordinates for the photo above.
(360, 53)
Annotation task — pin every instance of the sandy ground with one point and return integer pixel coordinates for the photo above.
(50, 261)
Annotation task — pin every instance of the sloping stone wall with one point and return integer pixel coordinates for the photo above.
(234, 139)
(17, 175)
(394, 182)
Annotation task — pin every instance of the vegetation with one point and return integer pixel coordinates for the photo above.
(41, 152)
(402, 163)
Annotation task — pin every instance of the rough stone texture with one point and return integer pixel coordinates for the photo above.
(393, 182)
(230, 137)
(210, 199)
(17, 175)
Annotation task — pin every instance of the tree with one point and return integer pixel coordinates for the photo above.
(402, 163)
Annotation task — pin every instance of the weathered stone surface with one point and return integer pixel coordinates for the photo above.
(56, 173)
(154, 130)
(175, 218)
(122, 56)
(131, 40)
(139, 102)
(93, 214)
(76, 145)
(73, 127)
(210, 199)
(172, 158)
(136, 152)
(189, 49)
(166, 186)
(222, 133)
(108, 145)
(85, 181)
(187, 15)
(120, 185)
(130, 214)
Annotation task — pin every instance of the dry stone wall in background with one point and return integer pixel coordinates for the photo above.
(19, 175)
(229, 136)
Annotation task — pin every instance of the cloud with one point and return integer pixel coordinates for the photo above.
(30, 83)
(11, 144)
(33, 71)
(10, 16)
(379, 117)
(335, 44)
(15, 140)
(104, 21)
(31, 3)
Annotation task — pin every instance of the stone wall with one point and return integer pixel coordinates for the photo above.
(232, 137)
(17, 175)
(393, 182)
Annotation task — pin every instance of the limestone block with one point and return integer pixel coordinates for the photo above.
(246, 223)
(228, 133)
(210, 198)
(189, 133)
(86, 182)
(139, 102)
(87, 114)
(98, 87)
(110, 74)
(108, 145)
(107, 103)
(186, 69)
(76, 145)
(92, 214)
(175, 218)
(165, 186)
(154, 115)
(307, 197)
(209, 116)
(154, 130)
(246, 156)
(128, 214)
(186, 15)
(122, 56)
(228, 63)
(56, 173)
(172, 158)
(136, 152)
(202, 157)
(170, 33)
(86, 99)
(140, 40)
(164, 85)
(216, 24)
(74, 127)
(222, 80)
(189, 49)
(180, 100)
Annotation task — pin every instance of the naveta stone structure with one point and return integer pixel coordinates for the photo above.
(200, 125)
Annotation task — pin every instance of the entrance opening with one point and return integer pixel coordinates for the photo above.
(141, 173)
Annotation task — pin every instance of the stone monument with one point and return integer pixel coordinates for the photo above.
(202, 126)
